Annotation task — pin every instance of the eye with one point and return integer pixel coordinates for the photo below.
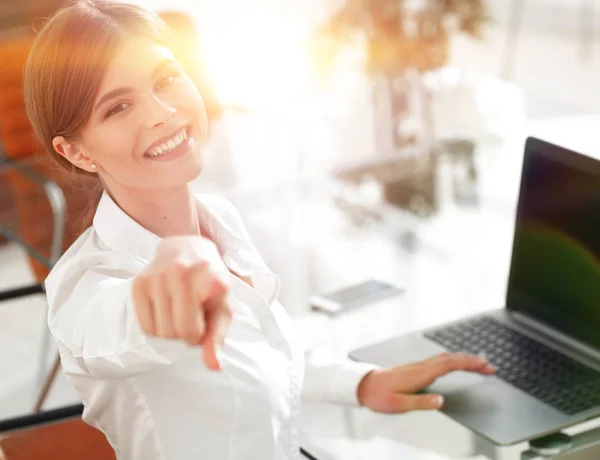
(167, 80)
(116, 109)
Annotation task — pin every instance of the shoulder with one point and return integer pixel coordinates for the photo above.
(88, 252)
(76, 251)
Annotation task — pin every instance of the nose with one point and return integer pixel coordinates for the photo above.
(158, 112)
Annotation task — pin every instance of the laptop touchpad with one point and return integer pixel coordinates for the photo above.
(411, 348)
(421, 349)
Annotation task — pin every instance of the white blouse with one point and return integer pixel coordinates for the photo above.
(153, 398)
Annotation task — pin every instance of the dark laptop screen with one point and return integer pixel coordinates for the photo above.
(555, 268)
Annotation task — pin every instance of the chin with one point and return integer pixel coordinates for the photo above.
(180, 170)
(194, 167)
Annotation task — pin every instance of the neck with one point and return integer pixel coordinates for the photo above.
(165, 212)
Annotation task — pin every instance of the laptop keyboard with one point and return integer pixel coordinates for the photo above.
(544, 373)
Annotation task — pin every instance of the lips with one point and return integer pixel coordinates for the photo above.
(179, 150)
(168, 142)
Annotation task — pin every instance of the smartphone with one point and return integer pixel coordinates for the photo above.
(354, 296)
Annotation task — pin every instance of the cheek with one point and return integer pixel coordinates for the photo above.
(115, 149)
(117, 143)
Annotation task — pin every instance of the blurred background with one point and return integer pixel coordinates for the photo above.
(359, 139)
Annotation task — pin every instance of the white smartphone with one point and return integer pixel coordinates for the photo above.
(354, 296)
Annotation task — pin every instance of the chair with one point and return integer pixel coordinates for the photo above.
(45, 204)
(58, 433)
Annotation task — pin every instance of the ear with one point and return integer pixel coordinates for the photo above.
(74, 154)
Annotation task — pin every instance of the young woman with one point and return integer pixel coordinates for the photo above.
(166, 318)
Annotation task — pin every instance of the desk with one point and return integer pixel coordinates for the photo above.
(460, 268)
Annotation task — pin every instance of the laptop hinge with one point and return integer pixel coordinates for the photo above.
(555, 335)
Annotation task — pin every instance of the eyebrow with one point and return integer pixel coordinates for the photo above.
(128, 89)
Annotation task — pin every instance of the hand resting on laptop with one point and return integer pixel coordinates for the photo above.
(392, 390)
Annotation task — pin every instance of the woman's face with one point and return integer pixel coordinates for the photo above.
(148, 124)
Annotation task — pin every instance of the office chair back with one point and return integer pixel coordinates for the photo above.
(35, 183)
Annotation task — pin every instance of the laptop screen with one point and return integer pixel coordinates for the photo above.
(555, 267)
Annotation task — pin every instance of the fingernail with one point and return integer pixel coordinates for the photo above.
(219, 354)
(216, 287)
(437, 401)
(481, 360)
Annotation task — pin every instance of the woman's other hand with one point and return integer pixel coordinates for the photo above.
(183, 294)
(392, 390)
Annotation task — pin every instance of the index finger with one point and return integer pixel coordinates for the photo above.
(217, 317)
(449, 362)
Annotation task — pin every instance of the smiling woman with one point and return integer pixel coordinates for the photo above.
(166, 317)
(119, 107)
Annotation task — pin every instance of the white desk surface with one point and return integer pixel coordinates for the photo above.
(460, 269)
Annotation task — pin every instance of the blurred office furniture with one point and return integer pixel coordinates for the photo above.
(13, 16)
(402, 41)
(55, 434)
(517, 10)
(407, 182)
(58, 434)
(16, 15)
(46, 208)
(5, 205)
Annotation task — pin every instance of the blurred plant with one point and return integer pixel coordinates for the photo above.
(400, 40)
(399, 34)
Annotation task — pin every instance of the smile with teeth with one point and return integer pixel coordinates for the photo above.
(169, 145)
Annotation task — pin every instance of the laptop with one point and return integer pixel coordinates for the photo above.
(546, 341)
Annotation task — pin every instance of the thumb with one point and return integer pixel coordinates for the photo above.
(407, 403)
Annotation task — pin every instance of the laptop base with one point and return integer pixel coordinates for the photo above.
(487, 405)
